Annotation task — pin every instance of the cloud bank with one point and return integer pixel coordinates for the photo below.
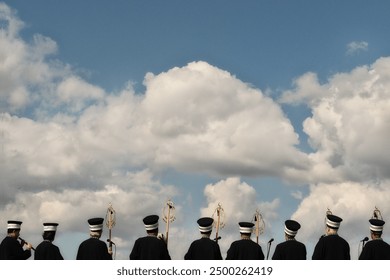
(349, 123)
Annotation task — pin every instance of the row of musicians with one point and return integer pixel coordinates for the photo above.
(330, 246)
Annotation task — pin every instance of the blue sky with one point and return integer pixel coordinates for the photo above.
(267, 43)
(276, 105)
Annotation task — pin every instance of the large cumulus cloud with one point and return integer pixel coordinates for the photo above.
(209, 121)
(350, 122)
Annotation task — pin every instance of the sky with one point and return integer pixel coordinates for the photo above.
(275, 106)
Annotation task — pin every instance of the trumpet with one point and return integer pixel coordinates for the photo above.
(24, 241)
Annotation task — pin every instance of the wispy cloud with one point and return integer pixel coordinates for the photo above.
(356, 47)
(297, 195)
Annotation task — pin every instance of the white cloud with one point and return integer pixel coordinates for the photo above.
(10, 21)
(356, 47)
(195, 118)
(231, 193)
(240, 130)
(77, 93)
(48, 150)
(307, 89)
(31, 80)
(18, 97)
(297, 195)
(185, 114)
(349, 125)
(200, 110)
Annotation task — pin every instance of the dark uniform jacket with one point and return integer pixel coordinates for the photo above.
(375, 250)
(203, 249)
(93, 249)
(47, 251)
(290, 250)
(11, 249)
(331, 247)
(149, 248)
(245, 249)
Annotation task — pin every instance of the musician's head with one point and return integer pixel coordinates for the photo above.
(246, 229)
(49, 231)
(376, 228)
(49, 235)
(13, 228)
(151, 224)
(95, 227)
(205, 226)
(291, 228)
(332, 224)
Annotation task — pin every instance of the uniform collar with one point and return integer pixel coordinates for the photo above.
(246, 238)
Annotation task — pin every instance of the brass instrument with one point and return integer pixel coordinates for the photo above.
(219, 223)
(110, 223)
(24, 241)
(168, 217)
